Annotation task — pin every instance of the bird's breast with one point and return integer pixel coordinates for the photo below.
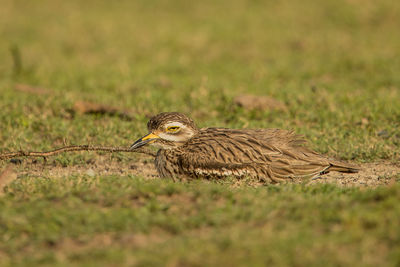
(167, 163)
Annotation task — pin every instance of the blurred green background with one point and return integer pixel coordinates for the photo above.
(334, 64)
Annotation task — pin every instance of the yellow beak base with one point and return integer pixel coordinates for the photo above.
(144, 140)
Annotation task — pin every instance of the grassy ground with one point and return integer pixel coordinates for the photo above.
(334, 64)
(115, 220)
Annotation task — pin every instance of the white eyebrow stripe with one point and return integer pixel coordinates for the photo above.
(174, 124)
(172, 138)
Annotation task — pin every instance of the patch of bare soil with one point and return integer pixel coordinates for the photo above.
(69, 247)
(101, 166)
(136, 240)
(370, 175)
(252, 102)
(84, 107)
(25, 88)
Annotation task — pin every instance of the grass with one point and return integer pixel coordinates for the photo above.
(115, 220)
(334, 64)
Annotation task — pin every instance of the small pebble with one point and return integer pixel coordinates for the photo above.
(384, 134)
(133, 167)
(90, 172)
(16, 161)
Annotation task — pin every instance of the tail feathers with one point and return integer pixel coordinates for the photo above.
(342, 167)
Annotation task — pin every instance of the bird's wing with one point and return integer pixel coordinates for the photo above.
(225, 152)
(199, 166)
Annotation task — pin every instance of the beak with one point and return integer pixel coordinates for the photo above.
(144, 140)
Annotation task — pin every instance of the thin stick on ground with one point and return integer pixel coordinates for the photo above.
(44, 154)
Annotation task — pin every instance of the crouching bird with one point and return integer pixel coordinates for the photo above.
(270, 155)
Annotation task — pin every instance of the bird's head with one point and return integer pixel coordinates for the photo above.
(167, 130)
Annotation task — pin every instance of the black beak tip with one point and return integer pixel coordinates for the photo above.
(143, 141)
(137, 144)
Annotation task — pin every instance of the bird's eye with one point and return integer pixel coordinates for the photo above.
(173, 128)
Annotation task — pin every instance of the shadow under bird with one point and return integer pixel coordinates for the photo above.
(270, 155)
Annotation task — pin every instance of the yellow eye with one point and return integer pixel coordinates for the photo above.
(173, 128)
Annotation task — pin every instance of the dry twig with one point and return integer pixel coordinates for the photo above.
(9, 155)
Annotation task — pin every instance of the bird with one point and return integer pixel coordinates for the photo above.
(268, 155)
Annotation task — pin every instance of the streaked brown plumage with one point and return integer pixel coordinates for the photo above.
(270, 155)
